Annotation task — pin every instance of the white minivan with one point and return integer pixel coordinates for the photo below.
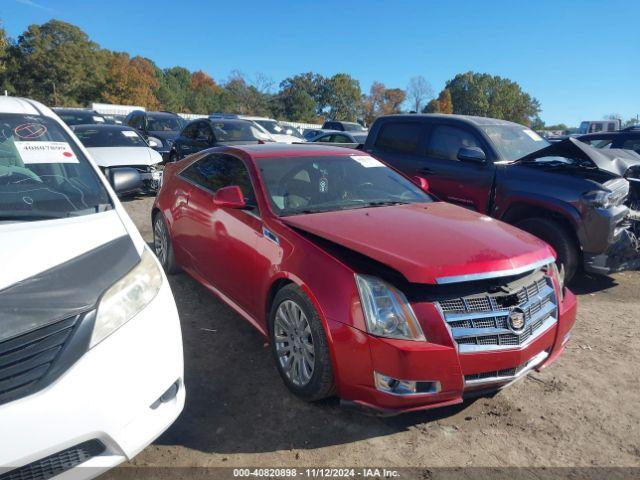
(91, 364)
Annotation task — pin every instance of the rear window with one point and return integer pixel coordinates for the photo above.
(400, 137)
(92, 137)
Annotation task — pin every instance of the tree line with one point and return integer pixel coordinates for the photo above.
(58, 64)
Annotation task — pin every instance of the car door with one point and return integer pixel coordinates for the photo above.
(220, 241)
(464, 182)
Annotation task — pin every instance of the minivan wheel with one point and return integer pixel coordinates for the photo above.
(299, 345)
(560, 238)
(162, 244)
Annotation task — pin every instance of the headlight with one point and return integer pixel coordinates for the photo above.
(615, 194)
(154, 142)
(127, 297)
(386, 310)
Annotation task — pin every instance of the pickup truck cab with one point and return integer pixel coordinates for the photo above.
(566, 193)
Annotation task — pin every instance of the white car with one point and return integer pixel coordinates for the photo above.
(91, 362)
(279, 132)
(117, 146)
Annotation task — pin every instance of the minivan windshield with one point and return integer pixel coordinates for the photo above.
(514, 141)
(108, 136)
(300, 185)
(43, 173)
(164, 123)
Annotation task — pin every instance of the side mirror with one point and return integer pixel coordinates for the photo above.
(153, 143)
(230, 197)
(472, 154)
(422, 183)
(125, 181)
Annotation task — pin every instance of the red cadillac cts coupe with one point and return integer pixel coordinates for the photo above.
(365, 285)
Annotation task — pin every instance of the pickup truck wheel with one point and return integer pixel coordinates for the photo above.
(299, 345)
(559, 237)
(162, 245)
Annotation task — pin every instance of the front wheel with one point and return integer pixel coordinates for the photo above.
(173, 156)
(560, 238)
(299, 345)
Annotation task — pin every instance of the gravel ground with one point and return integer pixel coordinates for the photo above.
(581, 412)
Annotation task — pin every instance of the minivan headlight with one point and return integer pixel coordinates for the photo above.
(386, 310)
(127, 297)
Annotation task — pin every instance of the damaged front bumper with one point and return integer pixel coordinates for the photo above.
(623, 253)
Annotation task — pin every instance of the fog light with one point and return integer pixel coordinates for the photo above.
(395, 386)
(168, 395)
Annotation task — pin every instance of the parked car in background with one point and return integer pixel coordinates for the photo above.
(90, 343)
(628, 139)
(275, 130)
(498, 168)
(343, 126)
(595, 126)
(210, 132)
(340, 137)
(114, 119)
(117, 146)
(309, 133)
(364, 285)
(160, 129)
(79, 116)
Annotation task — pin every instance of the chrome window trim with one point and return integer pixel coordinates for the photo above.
(495, 274)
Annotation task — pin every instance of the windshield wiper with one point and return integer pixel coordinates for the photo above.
(384, 203)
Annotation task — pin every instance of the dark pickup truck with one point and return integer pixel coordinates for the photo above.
(584, 202)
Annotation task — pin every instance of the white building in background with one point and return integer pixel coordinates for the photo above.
(109, 109)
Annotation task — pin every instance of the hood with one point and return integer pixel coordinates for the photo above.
(57, 268)
(124, 156)
(615, 161)
(427, 243)
(282, 138)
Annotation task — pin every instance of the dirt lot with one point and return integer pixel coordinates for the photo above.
(582, 411)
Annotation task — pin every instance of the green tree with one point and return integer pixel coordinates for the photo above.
(173, 91)
(204, 95)
(298, 98)
(341, 97)
(57, 64)
(4, 67)
(491, 96)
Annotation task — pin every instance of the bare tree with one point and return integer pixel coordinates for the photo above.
(262, 83)
(419, 92)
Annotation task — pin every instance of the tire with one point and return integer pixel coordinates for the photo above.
(173, 156)
(560, 238)
(162, 246)
(320, 382)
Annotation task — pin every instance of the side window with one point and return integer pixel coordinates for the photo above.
(204, 131)
(216, 171)
(632, 144)
(400, 137)
(136, 122)
(190, 130)
(446, 141)
(341, 139)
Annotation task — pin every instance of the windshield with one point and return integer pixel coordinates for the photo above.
(80, 117)
(299, 185)
(43, 174)
(164, 123)
(92, 137)
(353, 127)
(514, 141)
(235, 131)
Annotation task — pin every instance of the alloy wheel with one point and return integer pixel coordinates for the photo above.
(294, 343)
(160, 240)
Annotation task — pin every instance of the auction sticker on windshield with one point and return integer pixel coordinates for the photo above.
(366, 161)
(129, 133)
(533, 135)
(46, 152)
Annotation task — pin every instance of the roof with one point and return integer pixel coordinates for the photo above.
(162, 114)
(469, 119)
(23, 106)
(293, 150)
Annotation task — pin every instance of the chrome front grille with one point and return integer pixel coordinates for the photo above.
(480, 322)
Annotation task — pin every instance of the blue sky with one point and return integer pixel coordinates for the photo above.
(581, 59)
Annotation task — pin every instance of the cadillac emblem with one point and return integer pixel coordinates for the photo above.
(516, 320)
